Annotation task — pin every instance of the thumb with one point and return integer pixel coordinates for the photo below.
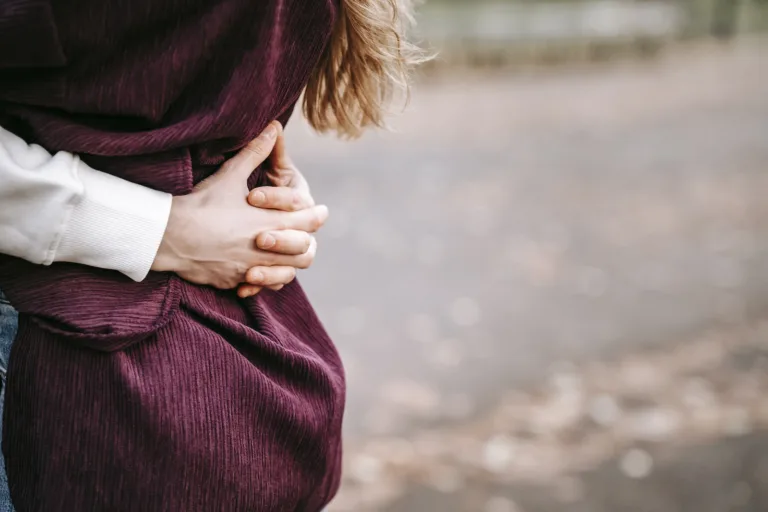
(279, 156)
(242, 165)
(283, 172)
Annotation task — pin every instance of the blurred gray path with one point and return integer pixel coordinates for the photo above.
(522, 226)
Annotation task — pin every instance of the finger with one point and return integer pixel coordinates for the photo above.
(291, 177)
(270, 276)
(276, 287)
(247, 290)
(288, 241)
(300, 183)
(279, 156)
(280, 198)
(283, 173)
(251, 156)
(309, 219)
(301, 261)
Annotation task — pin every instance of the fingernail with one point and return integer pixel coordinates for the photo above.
(322, 212)
(267, 241)
(258, 198)
(270, 132)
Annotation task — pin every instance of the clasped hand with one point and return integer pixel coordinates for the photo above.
(224, 236)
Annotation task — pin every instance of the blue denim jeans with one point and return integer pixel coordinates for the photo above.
(9, 321)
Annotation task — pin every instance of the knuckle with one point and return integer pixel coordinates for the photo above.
(267, 276)
(297, 201)
(315, 221)
(256, 146)
(278, 198)
(305, 197)
(306, 260)
(255, 277)
(275, 220)
(268, 259)
(284, 201)
(225, 284)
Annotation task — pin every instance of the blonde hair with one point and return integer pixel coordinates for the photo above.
(367, 63)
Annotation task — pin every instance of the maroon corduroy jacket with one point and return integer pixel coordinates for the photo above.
(162, 395)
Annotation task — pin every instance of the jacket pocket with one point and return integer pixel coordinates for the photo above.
(98, 309)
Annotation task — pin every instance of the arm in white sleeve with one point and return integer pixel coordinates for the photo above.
(56, 208)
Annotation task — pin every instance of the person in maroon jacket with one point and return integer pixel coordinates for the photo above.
(168, 394)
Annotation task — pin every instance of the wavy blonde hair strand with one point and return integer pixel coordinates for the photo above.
(367, 64)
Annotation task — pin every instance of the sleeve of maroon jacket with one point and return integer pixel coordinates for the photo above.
(55, 208)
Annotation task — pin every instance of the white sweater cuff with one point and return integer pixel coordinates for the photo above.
(116, 224)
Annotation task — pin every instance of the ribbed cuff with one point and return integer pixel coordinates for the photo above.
(117, 225)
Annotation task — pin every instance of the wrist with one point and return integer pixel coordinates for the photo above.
(169, 257)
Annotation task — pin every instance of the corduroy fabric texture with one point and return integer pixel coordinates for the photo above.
(162, 395)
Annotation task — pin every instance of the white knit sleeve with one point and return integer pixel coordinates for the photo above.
(56, 208)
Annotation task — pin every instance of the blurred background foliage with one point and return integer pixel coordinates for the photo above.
(512, 32)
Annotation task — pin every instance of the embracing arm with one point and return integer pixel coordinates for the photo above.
(55, 208)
